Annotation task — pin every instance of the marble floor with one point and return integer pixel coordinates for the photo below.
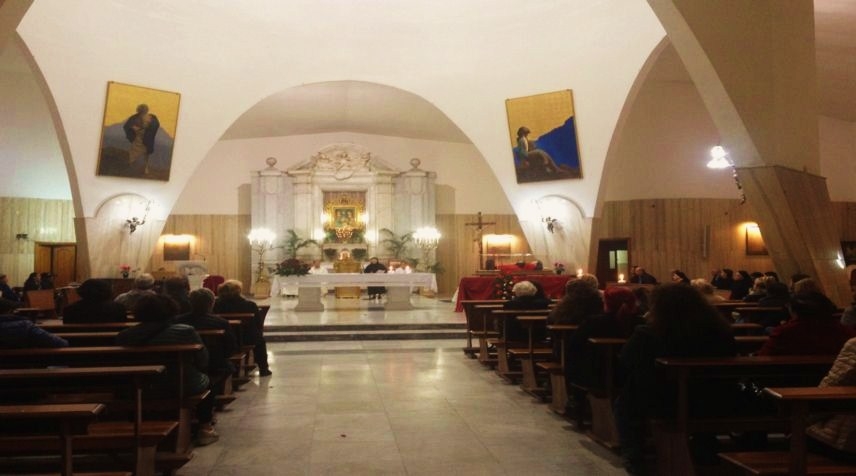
(391, 407)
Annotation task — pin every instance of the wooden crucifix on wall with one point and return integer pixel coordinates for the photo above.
(480, 226)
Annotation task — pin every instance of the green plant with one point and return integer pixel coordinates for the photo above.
(359, 254)
(396, 244)
(292, 267)
(293, 243)
(436, 268)
(330, 253)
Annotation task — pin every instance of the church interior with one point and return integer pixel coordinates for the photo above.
(350, 124)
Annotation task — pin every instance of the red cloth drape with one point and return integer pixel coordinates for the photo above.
(482, 287)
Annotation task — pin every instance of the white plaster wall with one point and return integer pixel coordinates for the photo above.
(223, 57)
(665, 146)
(230, 162)
(838, 158)
(30, 156)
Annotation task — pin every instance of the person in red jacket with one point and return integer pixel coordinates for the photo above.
(812, 329)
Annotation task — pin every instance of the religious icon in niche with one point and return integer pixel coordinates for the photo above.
(138, 132)
(543, 135)
(344, 217)
(755, 245)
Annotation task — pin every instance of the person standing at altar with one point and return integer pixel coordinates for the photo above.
(375, 266)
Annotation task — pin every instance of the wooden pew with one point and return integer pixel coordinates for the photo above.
(505, 366)
(798, 403)
(602, 394)
(671, 435)
(248, 360)
(726, 308)
(556, 369)
(92, 385)
(486, 332)
(65, 414)
(180, 403)
(532, 353)
(475, 323)
(763, 316)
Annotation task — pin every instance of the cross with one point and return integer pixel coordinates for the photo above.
(480, 229)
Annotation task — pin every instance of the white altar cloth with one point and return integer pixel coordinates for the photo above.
(398, 286)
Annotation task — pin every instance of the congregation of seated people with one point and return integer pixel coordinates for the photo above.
(681, 320)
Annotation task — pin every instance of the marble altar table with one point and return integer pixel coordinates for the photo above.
(397, 294)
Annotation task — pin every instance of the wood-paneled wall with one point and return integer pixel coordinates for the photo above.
(458, 249)
(219, 240)
(668, 234)
(42, 220)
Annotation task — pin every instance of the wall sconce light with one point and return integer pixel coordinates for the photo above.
(552, 224)
(134, 222)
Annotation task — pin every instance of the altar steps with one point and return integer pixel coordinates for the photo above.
(346, 332)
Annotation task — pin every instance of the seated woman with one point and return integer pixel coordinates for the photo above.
(155, 313)
(229, 300)
(681, 323)
(707, 290)
(527, 295)
(620, 318)
(812, 329)
(835, 435)
(582, 299)
(741, 285)
(95, 305)
(33, 282)
(679, 276)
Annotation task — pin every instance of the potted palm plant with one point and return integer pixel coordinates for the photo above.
(294, 243)
(396, 244)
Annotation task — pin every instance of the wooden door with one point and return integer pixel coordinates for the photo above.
(59, 259)
(613, 258)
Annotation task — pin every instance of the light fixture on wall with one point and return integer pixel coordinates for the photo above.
(552, 224)
(719, 159)
(133, 223)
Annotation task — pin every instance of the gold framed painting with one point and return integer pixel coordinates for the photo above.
(345, 217)
(138, 132)
(543, 134)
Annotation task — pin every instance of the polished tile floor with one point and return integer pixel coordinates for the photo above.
(389, 407)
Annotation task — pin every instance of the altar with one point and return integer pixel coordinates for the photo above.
(484, 287)
(397, 294)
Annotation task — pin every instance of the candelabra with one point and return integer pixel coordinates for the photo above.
(261, 241)
(427, 239)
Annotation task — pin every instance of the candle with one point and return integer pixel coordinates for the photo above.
(620, 278)
(579, 272)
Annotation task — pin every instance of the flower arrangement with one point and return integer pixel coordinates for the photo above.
(502, 286)
(125, 270)
(558, 268)
(292, 267)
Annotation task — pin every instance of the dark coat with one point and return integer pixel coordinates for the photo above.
(220, 360)
(164, 333)
(18, 332)
(88, 311)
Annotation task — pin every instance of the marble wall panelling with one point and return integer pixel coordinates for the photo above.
(42, 220)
